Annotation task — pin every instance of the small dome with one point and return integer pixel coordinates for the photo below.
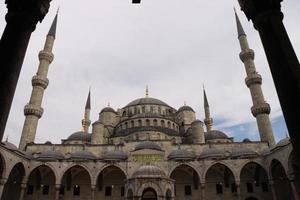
(147, 145)
(83, 155)
(215, 134)
(247, 140)
(107, 109)
(283, 142)
(82, 136)
(243, 152)
(149, 171)
(181, 154)
(212, 153)
(10, 146)
(197, 122)
(147, 101)
(185, 108)
(115, 155)
(49, 154)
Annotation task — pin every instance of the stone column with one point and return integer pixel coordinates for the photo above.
(23, 188)
(21, 20)
(238, 190)
(271, 184)
(2, 184)
(284, 65)
(203, 191)
(57, 189)
(294, 190)
(93, 190)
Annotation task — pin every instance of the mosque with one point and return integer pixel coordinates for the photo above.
(149, 150)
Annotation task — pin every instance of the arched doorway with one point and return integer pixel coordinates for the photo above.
(41, 184)
(12, 188)
(186, 182)
(111, 183)
(281, 183)
(220, 182)
(129, 195)
(76, 184)
(149, 194)
(254, 179)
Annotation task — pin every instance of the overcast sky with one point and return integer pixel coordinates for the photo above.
(174, 46)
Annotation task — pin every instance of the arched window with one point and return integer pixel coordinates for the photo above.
(151, 109)
(135, 110)
(147, 122)
(155, 122)
(173, 126)
(169, 124)
(126, 125)
(124, 114)
(159, 110)
(163, 123)
(143, 109)
(132, 124)
(140, 122)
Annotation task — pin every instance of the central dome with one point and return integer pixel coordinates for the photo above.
(147, 101)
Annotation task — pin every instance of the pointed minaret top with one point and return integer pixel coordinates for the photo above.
(147, 91)
(240, 29)
(88, 101)
(205, 98)
(52, 31)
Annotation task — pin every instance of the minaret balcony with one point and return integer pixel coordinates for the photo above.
(247, 55)
(30, 109)
(45, 55)
(39, 81)
(252, 79)
(263, 108)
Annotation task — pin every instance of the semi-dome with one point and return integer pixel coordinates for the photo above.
(181, 154)
(107, 109)
(50, 154)
(115, 155)
(10, 146)
(147, 145)
(243, 152)
(215, 134)
(80, 135)
(149, 171)
(147, 101)
(212, 153)
(82, 155)
(185, 108)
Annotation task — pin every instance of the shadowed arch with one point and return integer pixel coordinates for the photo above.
(187, 180)
(129, 195)
(294, 170)
(2, 166)
(220, 180)
(41, 181)
(110, 182)
(57, 178)
(12, 187)
(71, 166)
(168, 195)
(149, 194)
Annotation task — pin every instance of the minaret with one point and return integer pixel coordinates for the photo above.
(147, 91)
(260, 109)
(33, 110)
(86, 122)
(208, 120)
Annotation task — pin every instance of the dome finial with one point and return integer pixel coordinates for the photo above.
(184, 103)
(147, 91)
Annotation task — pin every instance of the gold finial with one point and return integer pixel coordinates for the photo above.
(147, 91)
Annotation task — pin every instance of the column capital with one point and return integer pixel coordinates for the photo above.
(93, 187)
(26, 13)
(23, 185)
(57, 186)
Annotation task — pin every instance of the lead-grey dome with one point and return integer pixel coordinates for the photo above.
(181, 154)
(243, 153)
(146, 101)
(212, 153)
(50, 155)
(107, 109)
(185, 108)
(80, 135)
(115, 155)
(149, 171)
(82, 155)
(215, 134)
(147, 145)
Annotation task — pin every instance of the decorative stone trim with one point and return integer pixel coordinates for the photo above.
(253, 79)
(247, 55)
(30, 109)
(39, 81)
(45, 55)
(263, 108)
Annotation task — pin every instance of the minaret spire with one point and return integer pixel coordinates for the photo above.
(86, 122)
(33, 111)
(147, 91)
(208, 120)
(260, 109)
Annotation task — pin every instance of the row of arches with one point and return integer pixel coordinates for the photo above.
(148, 122)
(219, 182)
(161, 110)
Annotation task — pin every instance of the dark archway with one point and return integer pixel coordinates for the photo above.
(281, 183)
(12, 188)
(111, 183)
(149, 194)
(168, 195)
(187, 182)
(220, 182)
(129, 195)
(41, 184)
(254, 179)
(76, 182)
